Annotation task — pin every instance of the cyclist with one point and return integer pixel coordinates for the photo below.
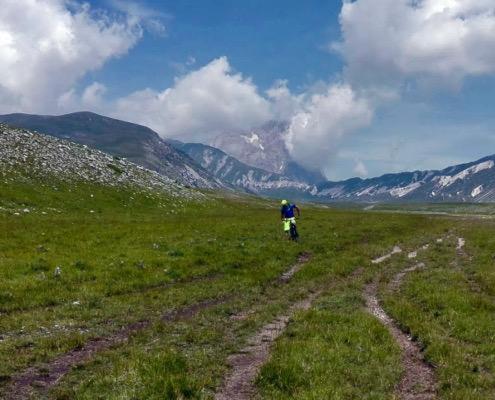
(287, 215)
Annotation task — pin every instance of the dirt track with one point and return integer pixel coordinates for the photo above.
(418, 381)
(239, 385)
(48, 375)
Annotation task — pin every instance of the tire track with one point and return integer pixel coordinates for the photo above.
(245, 365)
(301, 260)
(47, 376)
(239, 385)
(130, 292)
(418, 381)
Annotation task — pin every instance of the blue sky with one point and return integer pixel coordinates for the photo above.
(266, 40)
(369, 86)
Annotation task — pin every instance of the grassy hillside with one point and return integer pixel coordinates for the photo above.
(86, 264)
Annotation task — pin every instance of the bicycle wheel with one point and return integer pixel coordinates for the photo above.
(293, 232)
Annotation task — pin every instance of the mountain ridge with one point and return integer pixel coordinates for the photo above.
(26, 154)
(200, 165)
(236, 173)
(471, 181)
(136, 143)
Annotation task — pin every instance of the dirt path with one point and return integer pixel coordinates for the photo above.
(47, 376)
(418, 381)
(301, 260)
(239, 385)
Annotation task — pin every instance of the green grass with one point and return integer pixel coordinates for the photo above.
(128, 255)
(335, 351)
(449, 306)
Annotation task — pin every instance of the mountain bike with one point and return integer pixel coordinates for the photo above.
(293, 234)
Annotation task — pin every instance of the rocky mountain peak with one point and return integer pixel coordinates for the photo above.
(262, 147)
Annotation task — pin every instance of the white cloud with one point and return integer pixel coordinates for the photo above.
(93, 95)
(360, 169)
(388, 41)
(201, 104)
(139, 14)
(316, 129)
(284, 104)
(213, 99)
(46, 46)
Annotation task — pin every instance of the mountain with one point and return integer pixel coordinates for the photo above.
(236, 173)
(264, 147)
(25, 155)
(470, 182)
(136, 143)
(204, 166)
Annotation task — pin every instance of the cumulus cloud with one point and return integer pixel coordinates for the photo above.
(200, 104)
(46, 46)
(388, 41)
(323, 119)
(213, 99)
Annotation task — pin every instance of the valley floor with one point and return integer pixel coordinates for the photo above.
(118, 294)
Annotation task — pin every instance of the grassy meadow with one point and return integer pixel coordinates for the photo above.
(80, 262)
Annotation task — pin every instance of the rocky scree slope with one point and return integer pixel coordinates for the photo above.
(29, 154)
(137, 143)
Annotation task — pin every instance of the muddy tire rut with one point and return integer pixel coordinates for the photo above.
(48, 375)
(239, 385)
(418, 381)
(246, 364)
(301, 260)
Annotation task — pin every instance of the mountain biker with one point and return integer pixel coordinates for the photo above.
(287, 215)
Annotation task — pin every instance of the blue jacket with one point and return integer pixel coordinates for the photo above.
(288, 210)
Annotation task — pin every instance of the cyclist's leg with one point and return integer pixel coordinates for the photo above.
(286, 223)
